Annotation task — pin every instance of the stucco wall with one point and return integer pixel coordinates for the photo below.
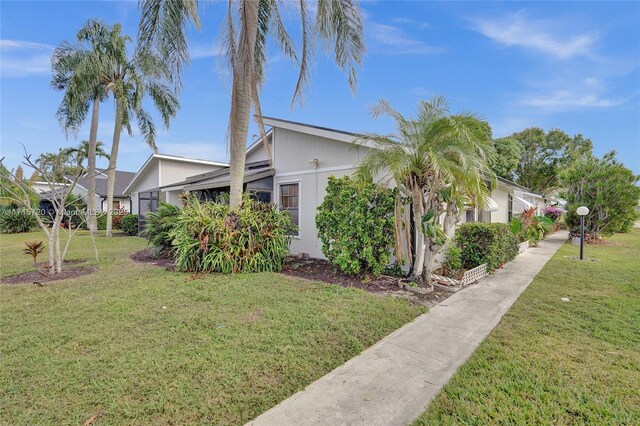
(292, 153)
(501, 196)
(148, 181)
(176, 171)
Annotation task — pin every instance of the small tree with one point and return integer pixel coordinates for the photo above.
(356, 225)
(607, 188)
(440, 161)
(21, 193)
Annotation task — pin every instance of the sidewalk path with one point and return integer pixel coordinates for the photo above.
(394, 381)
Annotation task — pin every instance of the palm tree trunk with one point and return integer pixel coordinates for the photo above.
(418, 213)
(111, 179)
(241, 96)
(92, 222)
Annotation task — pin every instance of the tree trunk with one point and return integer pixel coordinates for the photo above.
(418, 213)
(241, 96)
(92, 222)
(51, 266)
(111, 180)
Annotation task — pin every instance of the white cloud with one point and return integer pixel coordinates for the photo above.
(543, 36)
(561, 100)
(24, 58)
(6, 44)
(412, 22)
(393, 40)
(23, 67)
(571, 94)
(205, 51)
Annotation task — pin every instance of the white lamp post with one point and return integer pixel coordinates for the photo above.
(582, 211)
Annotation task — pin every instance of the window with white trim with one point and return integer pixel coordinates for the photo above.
(290, 200)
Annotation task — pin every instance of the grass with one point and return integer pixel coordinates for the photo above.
(550, 362)
(136, 344)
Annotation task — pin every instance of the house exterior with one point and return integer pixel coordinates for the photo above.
(159, 170)
(120, 201)
(304, 156)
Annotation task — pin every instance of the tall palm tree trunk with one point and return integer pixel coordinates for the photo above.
(241, 98)
(418, 213)
(92, 222)
(111, 179)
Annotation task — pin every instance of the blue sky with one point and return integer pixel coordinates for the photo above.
(573, 66)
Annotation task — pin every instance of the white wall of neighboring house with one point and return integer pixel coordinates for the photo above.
(500, 195)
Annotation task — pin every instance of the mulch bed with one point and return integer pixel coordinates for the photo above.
(321, 270)
(40, 278)
(149, 256)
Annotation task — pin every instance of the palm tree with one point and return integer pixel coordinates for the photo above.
(76, 71)
(130, 80)
(81, 153)
(246, 32)
(437, 159)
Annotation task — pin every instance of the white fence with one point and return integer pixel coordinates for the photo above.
(523, 246)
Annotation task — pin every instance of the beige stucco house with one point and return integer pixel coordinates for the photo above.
(304, 156)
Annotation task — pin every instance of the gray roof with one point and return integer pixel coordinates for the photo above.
(220, 178)
(122, 181)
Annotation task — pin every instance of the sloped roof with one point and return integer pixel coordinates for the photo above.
(156, 157)
(221, 178)
(122, 181)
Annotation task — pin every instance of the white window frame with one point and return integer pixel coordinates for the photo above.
(290, 182)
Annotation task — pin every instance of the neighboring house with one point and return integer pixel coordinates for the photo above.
(120, 201)
(304, 156)
(41, 186)
(159, 170)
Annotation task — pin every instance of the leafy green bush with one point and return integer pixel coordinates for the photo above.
(129, 224)
(491, 243)
(101, 220)
(158, 225)
(453, 259)
(356, 225)
(209, 237)
(13, 221)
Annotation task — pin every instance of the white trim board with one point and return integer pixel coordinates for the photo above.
(311, 171)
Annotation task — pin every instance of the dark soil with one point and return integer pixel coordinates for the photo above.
(321, 270)
(40, 278)
(149, 256)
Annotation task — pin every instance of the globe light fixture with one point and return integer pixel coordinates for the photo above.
(582, 211)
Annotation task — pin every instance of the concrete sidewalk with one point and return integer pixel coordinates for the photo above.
(394, 381)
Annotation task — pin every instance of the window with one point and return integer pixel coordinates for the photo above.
(484, 216)
(470, 215)
(509, 208)
(289, 200)
(262, 196)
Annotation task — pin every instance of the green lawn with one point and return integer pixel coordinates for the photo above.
(550, 362)
(225, 349)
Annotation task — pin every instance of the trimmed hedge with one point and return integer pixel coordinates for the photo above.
(356, 225)
(491, 243)
(129, 224)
